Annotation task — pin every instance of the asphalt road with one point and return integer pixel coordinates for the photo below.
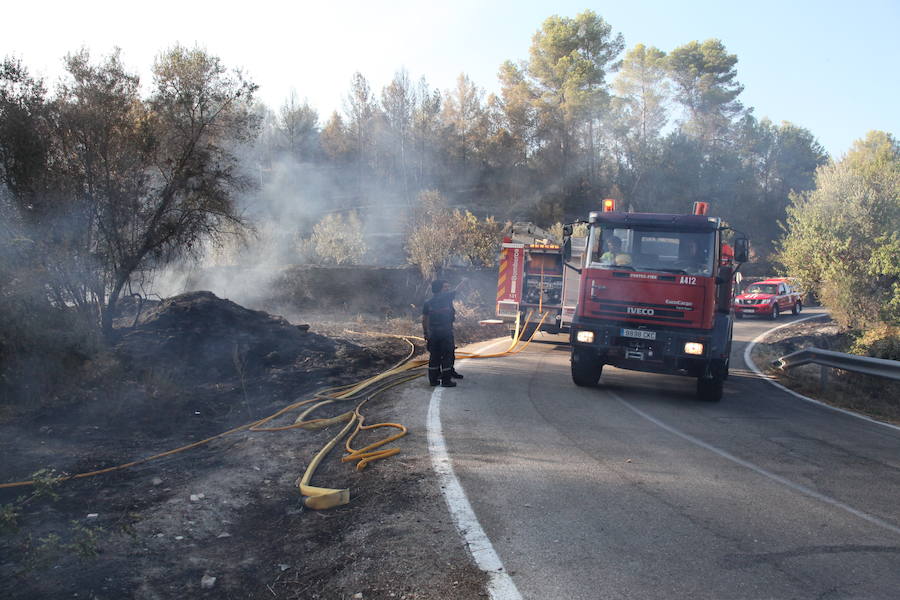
(635, 489)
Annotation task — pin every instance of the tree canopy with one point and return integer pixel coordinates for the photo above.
(109, 184)
(843, 238)
(123, 181)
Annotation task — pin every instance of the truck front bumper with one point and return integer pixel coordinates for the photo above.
(660, 350)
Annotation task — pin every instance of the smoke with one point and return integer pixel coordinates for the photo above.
(292, 196)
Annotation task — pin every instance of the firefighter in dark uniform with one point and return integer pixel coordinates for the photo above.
(438, 315)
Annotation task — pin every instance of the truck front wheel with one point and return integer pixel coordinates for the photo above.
(709, 389)
(586, 368)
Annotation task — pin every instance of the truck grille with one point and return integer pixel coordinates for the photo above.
(652, 312)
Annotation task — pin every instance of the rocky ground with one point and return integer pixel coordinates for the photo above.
(224, 520)
(872, 396)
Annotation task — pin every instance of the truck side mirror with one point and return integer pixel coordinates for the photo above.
(741, 250)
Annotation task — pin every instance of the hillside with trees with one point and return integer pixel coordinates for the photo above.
(579, 119)
(108, 180)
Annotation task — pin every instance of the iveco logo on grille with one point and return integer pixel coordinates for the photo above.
(640, 311)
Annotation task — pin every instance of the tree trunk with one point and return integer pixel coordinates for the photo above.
(109, 310)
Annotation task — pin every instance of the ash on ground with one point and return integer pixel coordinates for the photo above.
(223, 520)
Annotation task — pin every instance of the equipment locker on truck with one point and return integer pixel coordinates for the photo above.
(533, 280)
(656, 296)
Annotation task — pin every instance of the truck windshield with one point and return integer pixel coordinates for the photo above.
(685, 252)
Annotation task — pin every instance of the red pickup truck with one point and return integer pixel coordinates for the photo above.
(768, 298)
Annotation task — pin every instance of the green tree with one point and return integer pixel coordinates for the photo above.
(135, 183)
(639, 113)
(426, 131)
(103, 133)
(464, 116)
(642, 88)
(568, 63)
(433, 234)
(841, 239)
(339, 240)
(579, 230)
(397, 102)
(335, 139)
(298, 124)
(706, 85)
(778, 160)
(360, 109)
(478, 240)
(25, 140)
(517, 103)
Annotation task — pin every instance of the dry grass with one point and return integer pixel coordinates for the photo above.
(874, 397)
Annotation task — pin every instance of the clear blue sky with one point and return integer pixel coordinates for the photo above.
(829, 66)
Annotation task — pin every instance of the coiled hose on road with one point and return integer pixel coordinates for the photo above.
(318, 497)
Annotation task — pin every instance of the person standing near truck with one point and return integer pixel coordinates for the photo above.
(438, 316)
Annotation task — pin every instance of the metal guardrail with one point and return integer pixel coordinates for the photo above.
(878, 367)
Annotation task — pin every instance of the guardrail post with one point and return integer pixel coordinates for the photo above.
(823, 377)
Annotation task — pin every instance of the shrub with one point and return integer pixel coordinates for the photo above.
(879, 342)
(339, 240)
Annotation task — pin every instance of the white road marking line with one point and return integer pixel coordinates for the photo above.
(777, 478)
(749, 362)
(500, 584)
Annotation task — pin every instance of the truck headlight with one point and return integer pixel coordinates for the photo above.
(693, 348)
(586, 337)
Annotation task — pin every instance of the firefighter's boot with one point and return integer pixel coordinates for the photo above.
(447, 379)
(434, 376)
(455, 375)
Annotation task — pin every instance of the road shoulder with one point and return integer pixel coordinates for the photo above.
(863, 396)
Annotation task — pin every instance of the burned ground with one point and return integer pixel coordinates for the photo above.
(192, 367)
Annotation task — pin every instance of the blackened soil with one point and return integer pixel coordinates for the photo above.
(193, 367)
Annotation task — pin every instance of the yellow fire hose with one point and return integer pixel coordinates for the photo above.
(318, 497)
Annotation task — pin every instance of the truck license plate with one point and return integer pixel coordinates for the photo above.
(640, 334)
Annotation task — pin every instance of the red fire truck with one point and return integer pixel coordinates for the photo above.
(656, 296)
(533, 280)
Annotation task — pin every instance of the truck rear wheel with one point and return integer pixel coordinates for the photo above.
(586, 368)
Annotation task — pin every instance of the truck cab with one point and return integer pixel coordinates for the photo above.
(655, 296)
